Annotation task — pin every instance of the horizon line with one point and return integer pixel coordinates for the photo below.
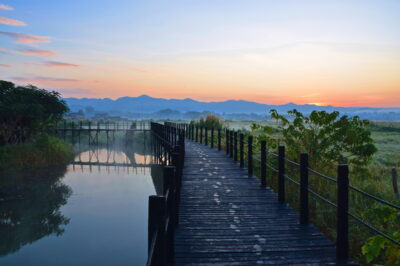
(201, 101)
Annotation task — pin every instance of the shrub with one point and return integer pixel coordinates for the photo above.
(42, 151)
(211, 121)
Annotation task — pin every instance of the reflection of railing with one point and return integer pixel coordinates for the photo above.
(108, 156)
(163, 210)
(276, 163)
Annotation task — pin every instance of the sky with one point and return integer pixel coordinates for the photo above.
(341, 53)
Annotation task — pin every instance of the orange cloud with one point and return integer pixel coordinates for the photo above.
(5, 65)
(25, 38)
(59, 64)
(11, 22)
(37, 52)
(4, 7)
(43, 79)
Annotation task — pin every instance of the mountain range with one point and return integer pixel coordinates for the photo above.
(144, 104)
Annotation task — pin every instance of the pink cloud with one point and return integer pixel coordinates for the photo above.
(25, 38)
(59, 64)
(5, 65)
(4, 7)
(37, 52)
(43, 79)
(11, 22)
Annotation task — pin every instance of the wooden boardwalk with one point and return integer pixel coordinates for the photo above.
(226, 218)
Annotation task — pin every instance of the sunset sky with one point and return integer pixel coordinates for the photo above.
(342, 53)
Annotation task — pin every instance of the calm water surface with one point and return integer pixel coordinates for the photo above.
(91, 212)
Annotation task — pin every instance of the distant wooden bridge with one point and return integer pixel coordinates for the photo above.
(74, 130)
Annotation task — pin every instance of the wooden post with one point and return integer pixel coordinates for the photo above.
(170, 193)
(212, 137)
(197, 134)
(263, 163)
(206, 136)
(72, 131)
(281, 174)
(178, 176)
(231, 144)
(90, 132)
(394, 182)
(227, 140)
(156, 223)
(241, 149)
(342, 231)
(304, 213)
(79, 132)
(201, 135)
(250, 155)
(235, 148)
(219, 139)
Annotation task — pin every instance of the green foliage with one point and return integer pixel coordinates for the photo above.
(26, 109)
(41, 151)
(211, 121)
(378, 248)
(326, 137)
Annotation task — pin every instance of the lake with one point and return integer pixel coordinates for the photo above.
(90, 212)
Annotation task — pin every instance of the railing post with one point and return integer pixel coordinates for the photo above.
(342, 238)
(235, 150)
(241, 149)
(227, 140)
(281, 174)
(219, 139)
(304, 214)
(201, 135)
(231, 143)
(156, 222)
(263, 162)
(250, 155)
(176, 161)
(206, 136)
(197, 133)
(212, 137)
(169, 186)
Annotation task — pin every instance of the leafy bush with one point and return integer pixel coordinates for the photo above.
(328, 138)
(378, 248)
(42, 151)
(211, 121)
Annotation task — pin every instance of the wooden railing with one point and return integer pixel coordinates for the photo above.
(169, 146)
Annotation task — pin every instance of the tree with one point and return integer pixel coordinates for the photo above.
(26, 109)
(327, 137)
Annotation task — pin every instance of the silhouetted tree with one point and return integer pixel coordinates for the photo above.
(25, 109)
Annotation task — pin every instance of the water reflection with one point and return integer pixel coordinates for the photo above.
(30, 208)
(91, 212)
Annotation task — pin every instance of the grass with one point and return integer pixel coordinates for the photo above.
(42, 151)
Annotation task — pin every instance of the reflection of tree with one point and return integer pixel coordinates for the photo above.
(31, 208)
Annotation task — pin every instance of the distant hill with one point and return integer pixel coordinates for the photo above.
(128, 106)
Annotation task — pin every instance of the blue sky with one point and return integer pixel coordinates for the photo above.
(209, 50)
